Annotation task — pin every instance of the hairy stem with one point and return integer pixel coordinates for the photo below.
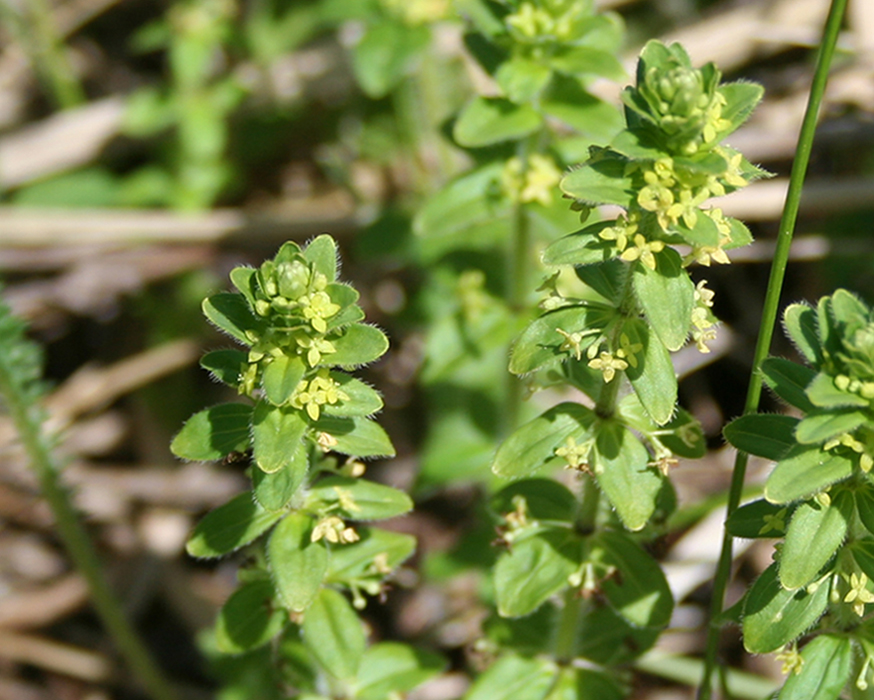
(26, 418)
(769, 318)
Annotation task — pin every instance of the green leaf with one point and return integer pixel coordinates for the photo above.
(522, 79)
(356, 436)
(275, 490)
(606, 638)
(650, 371)
(592, 118)
(545, 499)
(814, 535)
(601, 180)
(363, 400)
(322, 253)
(533, 569)
(622, 473)
(384, 55)
(585, 684)
(606, 278)
(462, 207)
(248, 619)
(740, 100)
(533, 444)
(637, 144)
(485, 121)
(245, 280)
(359, 345)
(356, 560)
(764, 434)
(230, 313)
(865, 505)
(775, 616)
(826, 668)
(585, 60)
(667, 297)
(224, 365)
(529, 635)
(229, 527)
(334, 634)
(281, 378)
(514, 677)
(276, 433)
(214, 433)
(582, 247)
(357, 499)
(389, 669)
(758, 519)
(804, 472)
(822, 392)
(821, 426)
(799, 322)
(740, 234)
(703, 233)
(297, 565)
(687, 438)
(540, 343)
(863, 553)
(640, 592)
(788, 380)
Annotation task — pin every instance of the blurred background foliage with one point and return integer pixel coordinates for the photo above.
(146, 148)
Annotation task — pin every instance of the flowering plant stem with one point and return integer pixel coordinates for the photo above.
(769, 316)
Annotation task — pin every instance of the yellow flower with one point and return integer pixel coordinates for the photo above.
(334, 530)
(608, 365)
(643, 250)
(859, 594)
(628, 350)
(316, 308)
(577, 456)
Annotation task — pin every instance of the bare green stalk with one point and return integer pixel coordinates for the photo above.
(26, 416)
(769, 318)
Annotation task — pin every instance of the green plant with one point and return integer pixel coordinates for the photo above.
(610, 338)
(819, 501)
(480, 233)
(302, 328)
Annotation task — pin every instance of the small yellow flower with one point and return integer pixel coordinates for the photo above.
(571, 343)
(541, 180)
(608, 365)
(628, 350)
(859, 594)
(577, 456)
(620, 232)
(703, 295)
(316, 308)
(702, 337)
(643, 250)
(334, 530)
(791, 659)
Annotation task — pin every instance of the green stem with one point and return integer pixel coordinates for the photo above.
(26, 418)
(516, 289)
(769, 318)
(566, 634)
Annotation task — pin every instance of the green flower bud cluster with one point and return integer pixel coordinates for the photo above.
(545, 21)
(682, 104)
